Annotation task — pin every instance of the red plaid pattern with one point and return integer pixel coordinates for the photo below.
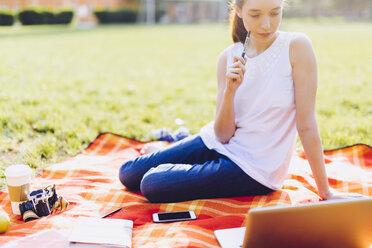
(89, 181)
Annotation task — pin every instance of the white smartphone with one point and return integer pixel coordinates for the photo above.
(173, 216)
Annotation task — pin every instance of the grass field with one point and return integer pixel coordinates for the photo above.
(61, 87)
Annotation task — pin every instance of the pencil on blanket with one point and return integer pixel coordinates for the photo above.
(117, 210)
(246, 43)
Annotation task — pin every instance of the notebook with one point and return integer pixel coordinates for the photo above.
(91, 232)
(338, 223)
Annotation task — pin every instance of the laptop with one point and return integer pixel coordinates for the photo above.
(326, 224)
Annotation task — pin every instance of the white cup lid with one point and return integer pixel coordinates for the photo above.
(18, 170)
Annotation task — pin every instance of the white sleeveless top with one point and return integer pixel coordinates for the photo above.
(265, 115)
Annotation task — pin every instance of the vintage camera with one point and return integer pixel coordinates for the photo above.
(40, 203)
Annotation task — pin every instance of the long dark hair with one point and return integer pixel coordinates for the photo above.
(238, 30)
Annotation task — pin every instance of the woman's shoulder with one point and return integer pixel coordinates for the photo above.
(299, 41)
(232, 48)
(300, 46)
(299, 38)
(295, 38)
(228, 53)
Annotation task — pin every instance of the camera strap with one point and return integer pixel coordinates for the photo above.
(61, 203)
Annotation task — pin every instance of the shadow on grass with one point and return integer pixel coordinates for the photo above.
(47, 30)
(20, 32)
(50, 30)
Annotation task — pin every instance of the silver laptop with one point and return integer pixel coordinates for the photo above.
(327, 224)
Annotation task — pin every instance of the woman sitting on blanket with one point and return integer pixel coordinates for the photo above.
(262, 99)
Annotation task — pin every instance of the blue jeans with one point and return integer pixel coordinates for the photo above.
(187, 170)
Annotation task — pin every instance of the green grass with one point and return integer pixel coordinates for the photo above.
(344, 102)
(61, 87)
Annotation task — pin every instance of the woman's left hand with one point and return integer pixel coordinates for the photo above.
(341, 195)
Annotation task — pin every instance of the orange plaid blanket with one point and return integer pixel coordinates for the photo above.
(89, 181)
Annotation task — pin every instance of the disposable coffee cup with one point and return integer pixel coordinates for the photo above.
(18, 179)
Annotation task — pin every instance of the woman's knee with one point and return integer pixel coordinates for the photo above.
(147, 187)
(127, 178)
(153, 186)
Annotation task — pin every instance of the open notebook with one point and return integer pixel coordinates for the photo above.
(88, 232)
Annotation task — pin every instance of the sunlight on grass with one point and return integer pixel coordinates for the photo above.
(61, 87)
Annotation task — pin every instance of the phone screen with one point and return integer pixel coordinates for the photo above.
(172, 216)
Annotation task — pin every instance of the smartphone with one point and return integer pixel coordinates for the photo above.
(173, 216)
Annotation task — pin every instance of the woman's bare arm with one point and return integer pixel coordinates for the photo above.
(305, 76)
(229, 79)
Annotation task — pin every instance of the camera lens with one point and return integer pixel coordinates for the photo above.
(42, 209)
(27, 211)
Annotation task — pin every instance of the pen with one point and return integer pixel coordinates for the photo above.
(117, 210)
(246, 43)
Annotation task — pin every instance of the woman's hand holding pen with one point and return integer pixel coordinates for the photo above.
(235, 74)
